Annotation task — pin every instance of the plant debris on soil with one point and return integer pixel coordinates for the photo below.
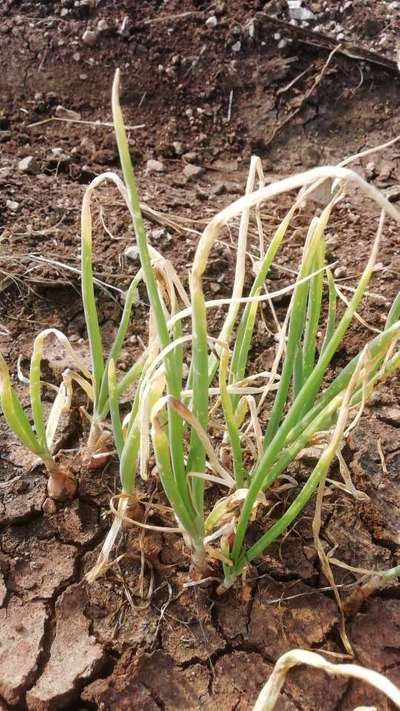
(204, 86)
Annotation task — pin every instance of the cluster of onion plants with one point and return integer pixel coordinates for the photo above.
(204, 424)
(173, 415)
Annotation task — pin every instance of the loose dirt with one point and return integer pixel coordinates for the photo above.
(206, 93)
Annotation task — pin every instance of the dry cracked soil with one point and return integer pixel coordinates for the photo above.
(205, 85)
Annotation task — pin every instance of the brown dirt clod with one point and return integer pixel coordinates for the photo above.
(22, 628)
(299, 617)
(21, 498)
(74, 657)
(174, 687)
(40, 568)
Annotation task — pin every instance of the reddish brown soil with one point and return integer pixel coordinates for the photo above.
(63, 643)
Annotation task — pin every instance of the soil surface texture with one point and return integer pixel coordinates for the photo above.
(205, 85)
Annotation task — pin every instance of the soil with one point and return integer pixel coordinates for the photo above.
(208, 93)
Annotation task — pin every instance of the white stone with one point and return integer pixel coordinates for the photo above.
(191, 171)
(102, 25)
(89, 37)
(132, 252)
(179, 148)
(340, 272)
(211, 22)
(297, 12)
(155, 166)
(28, 165)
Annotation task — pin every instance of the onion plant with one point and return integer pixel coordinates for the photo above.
(93, 379)
(99, 440)
(221, 405)
(39, 436)
(156, 270)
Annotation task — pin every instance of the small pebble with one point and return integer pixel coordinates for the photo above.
(155, 166)
(340, 272)
(102, 25)
(89, 37)
(12, 205)
(159, 233)
(211, 22)
(191, 171)
(132, 252)
(297, 12)
(49, 506)
(28, 165)
(179, 148)
(370, 169)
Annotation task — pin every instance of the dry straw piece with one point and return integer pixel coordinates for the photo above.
(269, 695)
